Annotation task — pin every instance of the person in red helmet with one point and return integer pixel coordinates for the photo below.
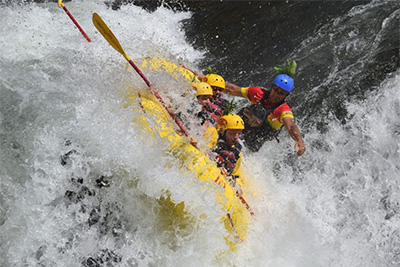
(278, 113)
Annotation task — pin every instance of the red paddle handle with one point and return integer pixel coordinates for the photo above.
(159, 98)
(76, 23)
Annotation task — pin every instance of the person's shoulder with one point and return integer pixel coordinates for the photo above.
(284, 110)
(284, 107)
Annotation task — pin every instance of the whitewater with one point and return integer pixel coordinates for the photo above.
(65, 129)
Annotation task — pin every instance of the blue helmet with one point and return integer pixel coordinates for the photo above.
(284, 81)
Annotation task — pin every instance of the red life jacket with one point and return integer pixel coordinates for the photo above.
(227, 156)
(212, 113)
(221, 102)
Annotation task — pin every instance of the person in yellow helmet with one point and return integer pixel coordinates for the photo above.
(210, 113)
(227, 152)
(217, 84)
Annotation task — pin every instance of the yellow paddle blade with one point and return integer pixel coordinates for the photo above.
(102, 27)
(60, 3)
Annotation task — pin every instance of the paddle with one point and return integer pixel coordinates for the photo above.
(102, 27)
(72, 18)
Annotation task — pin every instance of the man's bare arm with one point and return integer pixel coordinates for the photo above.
(294, 132)
(232, 89)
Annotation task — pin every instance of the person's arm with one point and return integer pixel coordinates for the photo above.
(232, 89)
(200, 76)
(294, 132)
(192, 140)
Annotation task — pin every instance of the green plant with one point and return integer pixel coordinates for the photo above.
(289, 69)
(210, 70)
(229, 107)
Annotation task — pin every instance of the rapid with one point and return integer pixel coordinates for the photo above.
(78, 187)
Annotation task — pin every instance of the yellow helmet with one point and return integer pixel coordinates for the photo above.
(230, 121)
(202, 88)
(215, 80)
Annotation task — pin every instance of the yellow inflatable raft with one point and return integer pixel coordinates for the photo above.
(237, 212)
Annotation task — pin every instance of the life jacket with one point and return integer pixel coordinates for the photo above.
(212, 113)
(264, 99)
(227, 156)
(221, 102)
(255, 137)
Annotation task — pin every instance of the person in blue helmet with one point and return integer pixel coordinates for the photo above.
(268, 113)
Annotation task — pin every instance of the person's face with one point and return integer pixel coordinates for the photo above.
(232, 135)
(203, 100)
(216, 91)
(277, 94)
(252, 120)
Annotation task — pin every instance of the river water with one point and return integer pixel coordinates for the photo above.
(78, 187)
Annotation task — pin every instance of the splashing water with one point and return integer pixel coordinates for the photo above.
(79, 187)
